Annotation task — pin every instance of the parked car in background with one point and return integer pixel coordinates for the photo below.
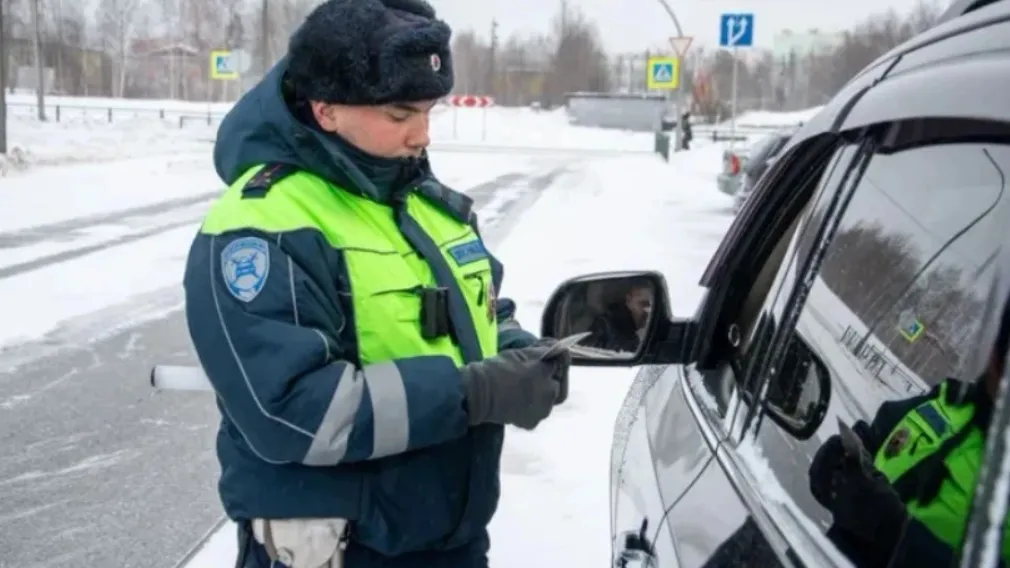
(733, 161)
(762, 155)
(737, 161)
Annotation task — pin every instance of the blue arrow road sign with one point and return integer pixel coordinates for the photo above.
(736, 30)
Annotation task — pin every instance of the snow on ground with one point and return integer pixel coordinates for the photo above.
(608, 214)
(617, 214)
(51, 195)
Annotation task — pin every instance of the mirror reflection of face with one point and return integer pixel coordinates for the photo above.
(639, 303)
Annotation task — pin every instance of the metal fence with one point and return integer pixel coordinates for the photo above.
(60, 112)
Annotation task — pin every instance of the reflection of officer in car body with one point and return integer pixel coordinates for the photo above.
(905, 501)
(621, 325)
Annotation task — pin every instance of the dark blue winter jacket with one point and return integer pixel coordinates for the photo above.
(275, 379)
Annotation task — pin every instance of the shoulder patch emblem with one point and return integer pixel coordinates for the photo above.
(245, 265)
(896, 443)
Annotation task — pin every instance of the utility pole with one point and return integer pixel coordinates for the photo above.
(40, 86)
(3, 81)
(493, 55)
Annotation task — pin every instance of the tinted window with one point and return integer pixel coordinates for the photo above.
(895, 301)
(897, 282)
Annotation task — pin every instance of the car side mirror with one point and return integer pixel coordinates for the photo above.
(799, 396)
(624, 317)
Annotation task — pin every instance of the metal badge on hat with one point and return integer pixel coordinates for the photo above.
(436, 62)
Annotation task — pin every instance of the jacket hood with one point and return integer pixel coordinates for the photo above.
(261, 128)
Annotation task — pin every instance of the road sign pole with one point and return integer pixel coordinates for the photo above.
(681, 44)
(735, 31)
(680, 106)
(732, 118)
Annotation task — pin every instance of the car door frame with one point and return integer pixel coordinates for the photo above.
(780, 208)
(899, 97)
(733, 262)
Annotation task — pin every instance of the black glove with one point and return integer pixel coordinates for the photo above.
(861, 499)
(562, 362)
(515, 387)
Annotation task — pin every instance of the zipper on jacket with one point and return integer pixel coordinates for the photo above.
(483, 287)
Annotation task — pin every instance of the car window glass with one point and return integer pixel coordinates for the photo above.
(896, 301)
(717, 388)
(801, 240)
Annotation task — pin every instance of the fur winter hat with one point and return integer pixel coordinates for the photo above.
(371, 52)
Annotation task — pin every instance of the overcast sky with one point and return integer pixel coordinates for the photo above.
(635, 25)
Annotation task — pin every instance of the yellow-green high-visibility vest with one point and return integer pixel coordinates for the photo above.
(919, 434)
(384, 270)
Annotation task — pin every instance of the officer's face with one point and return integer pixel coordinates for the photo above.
(387, 131)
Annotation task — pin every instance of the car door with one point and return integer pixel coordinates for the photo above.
(721, 520)
(638, 502)
(895, 298)
(660, 452)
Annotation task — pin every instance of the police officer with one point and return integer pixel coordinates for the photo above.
(345, 309)
(903, 497)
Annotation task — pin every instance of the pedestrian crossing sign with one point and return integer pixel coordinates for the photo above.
(222, 66)
(663, 73)
(910, 326)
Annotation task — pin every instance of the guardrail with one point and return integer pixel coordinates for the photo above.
(739, 134)
(60, 112)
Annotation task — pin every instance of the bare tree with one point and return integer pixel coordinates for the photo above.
(40, 85)
(3, 79)
(579, 62)
(117, 21)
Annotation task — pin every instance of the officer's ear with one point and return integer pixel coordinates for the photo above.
(326, 115)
